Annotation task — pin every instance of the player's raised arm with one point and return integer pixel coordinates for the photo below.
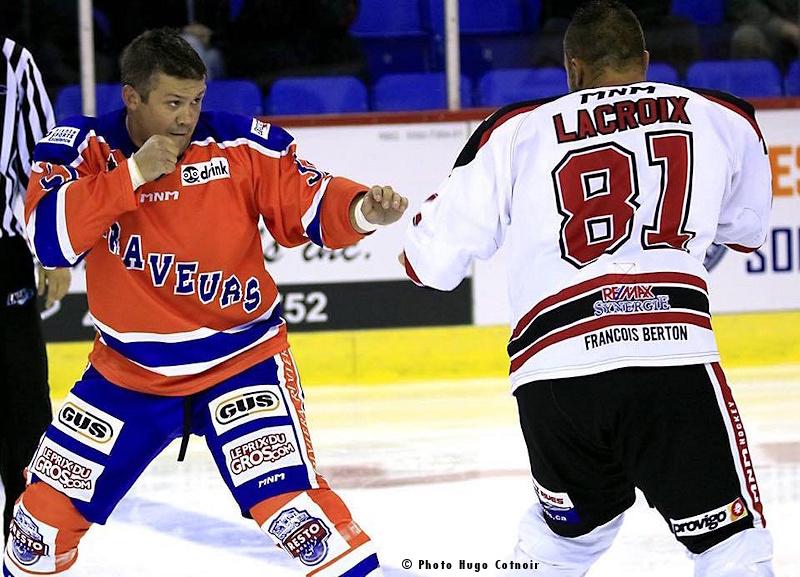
(72, 197)
(302, 203)
(468, 215)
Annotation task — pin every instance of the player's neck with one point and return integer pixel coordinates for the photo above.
(613, 78)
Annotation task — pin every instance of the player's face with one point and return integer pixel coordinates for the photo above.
(172, 109)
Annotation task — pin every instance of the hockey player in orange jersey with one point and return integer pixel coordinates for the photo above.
(163, 203)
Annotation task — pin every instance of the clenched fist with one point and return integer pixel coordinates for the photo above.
(157, 156)
(383, 206)
(54, 283)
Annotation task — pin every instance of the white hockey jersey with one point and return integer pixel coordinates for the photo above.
(609, 198)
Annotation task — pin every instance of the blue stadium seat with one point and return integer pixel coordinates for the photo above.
(703, 12)
(533, 13)
(317, 95)
(416, 92)
(237, 96)
(745, 78)
(793, 79)
(662, 72)
(500, 87)
(479, 54)
(480, 16)
(398, 54)
(380, 18)
(108, 97)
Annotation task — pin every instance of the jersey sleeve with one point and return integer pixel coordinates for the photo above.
(72, 199)
(746, 205)
(467, 217)
(298, 201)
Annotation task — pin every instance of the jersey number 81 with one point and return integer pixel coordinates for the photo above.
(596, 191)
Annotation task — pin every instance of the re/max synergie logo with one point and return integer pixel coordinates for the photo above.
(634, 298)
(202, 172)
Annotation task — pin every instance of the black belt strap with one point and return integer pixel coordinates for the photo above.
(187, 427)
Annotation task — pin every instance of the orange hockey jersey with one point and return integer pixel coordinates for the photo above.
(175, 275)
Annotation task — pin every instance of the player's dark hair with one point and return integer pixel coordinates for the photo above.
(160, 50)
(605, 34)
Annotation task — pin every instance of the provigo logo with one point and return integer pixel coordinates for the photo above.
(709, 521)
(203, 172)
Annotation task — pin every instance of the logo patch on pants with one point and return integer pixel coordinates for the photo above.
(260, 453)
(303, 536)
(305, 531)
(87, 424)
(557, 506)
(65, 471)
(710, 521)
(245, 405)
(32, 543)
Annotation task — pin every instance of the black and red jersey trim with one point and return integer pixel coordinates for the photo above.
(735, 104)
(571, 312)
(497, 119)
(410, 272)
(742, 451)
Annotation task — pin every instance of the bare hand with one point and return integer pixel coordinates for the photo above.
(157, 156)
(54, 283)
(382, 205)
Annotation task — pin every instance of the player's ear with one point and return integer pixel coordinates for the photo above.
(574, 69)
(131, 97)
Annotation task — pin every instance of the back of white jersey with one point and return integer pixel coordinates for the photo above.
(609, 198)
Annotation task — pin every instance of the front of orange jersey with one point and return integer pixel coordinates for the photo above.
(175, 274)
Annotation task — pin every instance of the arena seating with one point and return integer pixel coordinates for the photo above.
(317, 95)
(420, 91)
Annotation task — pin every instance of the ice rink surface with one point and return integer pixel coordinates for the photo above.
(433, 472)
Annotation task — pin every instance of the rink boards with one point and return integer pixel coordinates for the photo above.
(364, 357)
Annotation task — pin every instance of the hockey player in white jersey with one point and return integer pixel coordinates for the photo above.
(609, 197)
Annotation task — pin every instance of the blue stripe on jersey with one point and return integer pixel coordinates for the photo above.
(64, 153)
(223, 126)
(314, 230)
(45, 241)
(364, 568)
(54, 153)
(161, 354)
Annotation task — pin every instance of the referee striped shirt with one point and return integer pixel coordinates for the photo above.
(26, 115)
